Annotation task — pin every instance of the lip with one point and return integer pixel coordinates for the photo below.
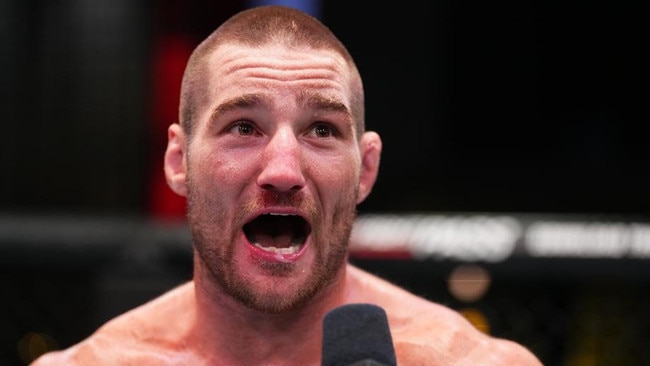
(276, 210)
(261, 254)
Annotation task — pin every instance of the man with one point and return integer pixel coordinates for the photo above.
(273, 158)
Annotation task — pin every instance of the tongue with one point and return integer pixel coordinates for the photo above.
(276, 231)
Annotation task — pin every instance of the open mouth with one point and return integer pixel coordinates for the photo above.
(278, 233)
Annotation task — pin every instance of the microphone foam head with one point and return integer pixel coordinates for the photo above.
(357, 332)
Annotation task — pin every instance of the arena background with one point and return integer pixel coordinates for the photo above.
(513, 184)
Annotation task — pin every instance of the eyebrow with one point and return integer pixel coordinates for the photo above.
(312, 100)
(321, 102)
(239, 102)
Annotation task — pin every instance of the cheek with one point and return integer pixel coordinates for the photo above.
(209, 176)
(336, 175)
(220, 168)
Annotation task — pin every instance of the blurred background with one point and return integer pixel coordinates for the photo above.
(513, 184)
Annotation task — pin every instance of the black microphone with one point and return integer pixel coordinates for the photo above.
(357, 335)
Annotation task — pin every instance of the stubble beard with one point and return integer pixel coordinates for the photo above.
(329, 237)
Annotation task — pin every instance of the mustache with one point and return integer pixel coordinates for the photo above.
(298, 200)
(271, 198)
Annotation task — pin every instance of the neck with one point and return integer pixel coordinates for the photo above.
(243, 336)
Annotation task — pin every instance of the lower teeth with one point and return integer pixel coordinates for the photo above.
(290, 250)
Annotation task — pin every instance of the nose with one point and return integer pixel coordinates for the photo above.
(281, 163)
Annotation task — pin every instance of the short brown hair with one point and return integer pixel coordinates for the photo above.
(257, 27)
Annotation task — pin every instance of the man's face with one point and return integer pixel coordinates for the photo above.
(273, 173)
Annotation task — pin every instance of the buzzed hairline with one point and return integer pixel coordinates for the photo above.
(258, 27)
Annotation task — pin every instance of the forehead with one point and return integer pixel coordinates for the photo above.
(282, 73)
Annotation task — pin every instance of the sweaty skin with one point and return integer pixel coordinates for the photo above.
(166, 331)
(273, 157)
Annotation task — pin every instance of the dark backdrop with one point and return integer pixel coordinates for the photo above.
(511, 106)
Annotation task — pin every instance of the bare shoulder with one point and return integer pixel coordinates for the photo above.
(461, 348)
(427, 333)
(148, 334)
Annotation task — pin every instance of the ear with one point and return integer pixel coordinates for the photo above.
(175, 164)
(370, 155)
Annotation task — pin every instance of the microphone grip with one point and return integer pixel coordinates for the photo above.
(357, 335)
(368, 362)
